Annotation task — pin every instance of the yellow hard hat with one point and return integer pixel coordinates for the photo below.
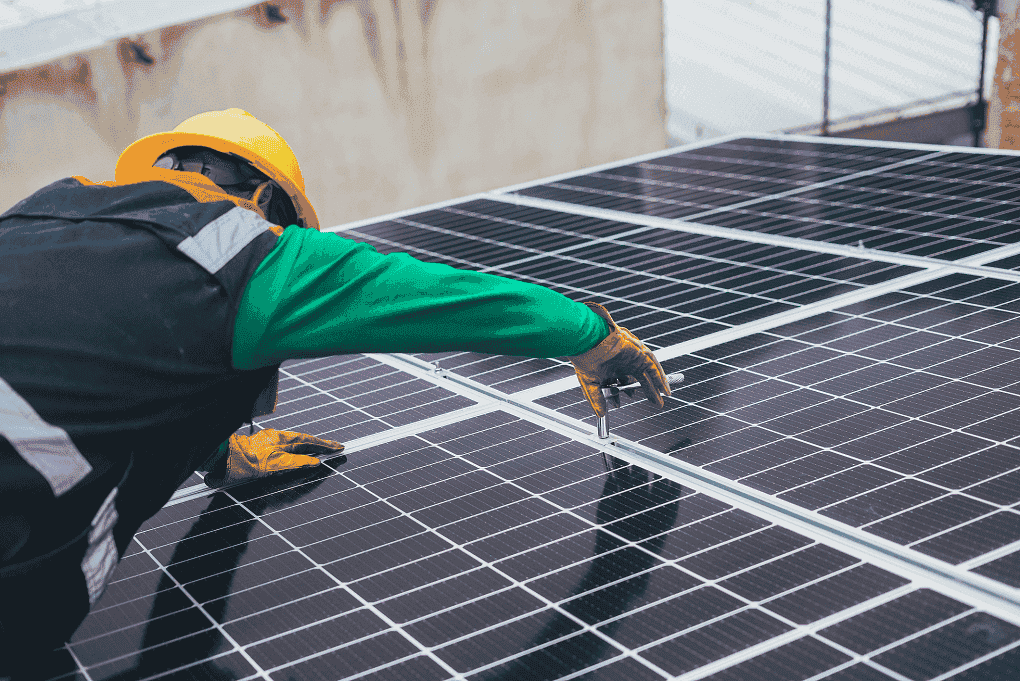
(232, 131)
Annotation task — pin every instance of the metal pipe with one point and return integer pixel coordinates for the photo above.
(825, 74)
(987, 7)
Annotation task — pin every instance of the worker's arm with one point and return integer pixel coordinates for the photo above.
(319, 294)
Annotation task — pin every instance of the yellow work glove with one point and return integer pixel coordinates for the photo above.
(269, 451)
(620, 357)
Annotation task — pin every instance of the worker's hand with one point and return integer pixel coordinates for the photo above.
(270, 451)
(621, 357)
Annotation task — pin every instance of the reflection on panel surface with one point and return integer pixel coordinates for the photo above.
(496, 549)
(897, 415)
(688, 183)
(931, 203)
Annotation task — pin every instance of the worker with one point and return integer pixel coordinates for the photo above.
(143, 321)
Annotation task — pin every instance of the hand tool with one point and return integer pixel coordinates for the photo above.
(612, 392)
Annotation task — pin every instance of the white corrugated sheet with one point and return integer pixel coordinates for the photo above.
(37, 31)
(756, 65)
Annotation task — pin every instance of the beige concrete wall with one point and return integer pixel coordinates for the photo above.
(1003, 129)
(388, 104)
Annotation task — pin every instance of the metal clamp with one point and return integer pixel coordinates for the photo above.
(608, 391)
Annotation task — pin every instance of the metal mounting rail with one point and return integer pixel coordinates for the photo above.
(981, 591)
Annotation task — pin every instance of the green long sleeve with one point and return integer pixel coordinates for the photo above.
(319, 294)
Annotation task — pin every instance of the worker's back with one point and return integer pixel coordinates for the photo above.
(117, 305)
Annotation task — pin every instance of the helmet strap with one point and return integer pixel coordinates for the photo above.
(236, 177)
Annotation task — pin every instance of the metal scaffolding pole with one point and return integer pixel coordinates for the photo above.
(979, 111)
(825, 76)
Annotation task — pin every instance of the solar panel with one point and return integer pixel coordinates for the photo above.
(831, 494)
(666, 286)
(940, 204)
(895, 415)
(494, 548)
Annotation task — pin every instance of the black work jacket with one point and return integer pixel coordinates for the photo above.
(117, 308)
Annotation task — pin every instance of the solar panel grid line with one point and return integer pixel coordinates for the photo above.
(364, 603)
(910, 196)
(647, 606)
(850, 204)
(974, 589)
(757, 326)
(868, 657)
(77, 661)
(757, 650)
(405, 212)
(996, 186)
(854, 657)
(566, 249)
(620, 239)
(731, 142)
(652, 308)
(337, 400)
(981, 215)
(653, 182)
(187, 493)
(457, 210)
(731, 139)
(889, 239)
(346, 402)
(485, 564)
(990, 445)
(506, 401)
(757, 163)
(935, 153)
(642, 304)
(748, 202)
(875, 549)
(765, 377)
(503, 269)
(652, 155)
(976, 662)
(970, 265)
(995, 554)
(259, 672)
(782, 639)
(421, 370)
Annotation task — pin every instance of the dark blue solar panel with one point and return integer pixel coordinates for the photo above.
(665, 286)
(491, 548)
(897, 415)
(483, 545)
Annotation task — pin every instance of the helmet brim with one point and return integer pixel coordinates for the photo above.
(141, 154)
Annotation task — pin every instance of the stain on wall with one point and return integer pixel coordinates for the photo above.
(388, 104)
(1003, 129)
